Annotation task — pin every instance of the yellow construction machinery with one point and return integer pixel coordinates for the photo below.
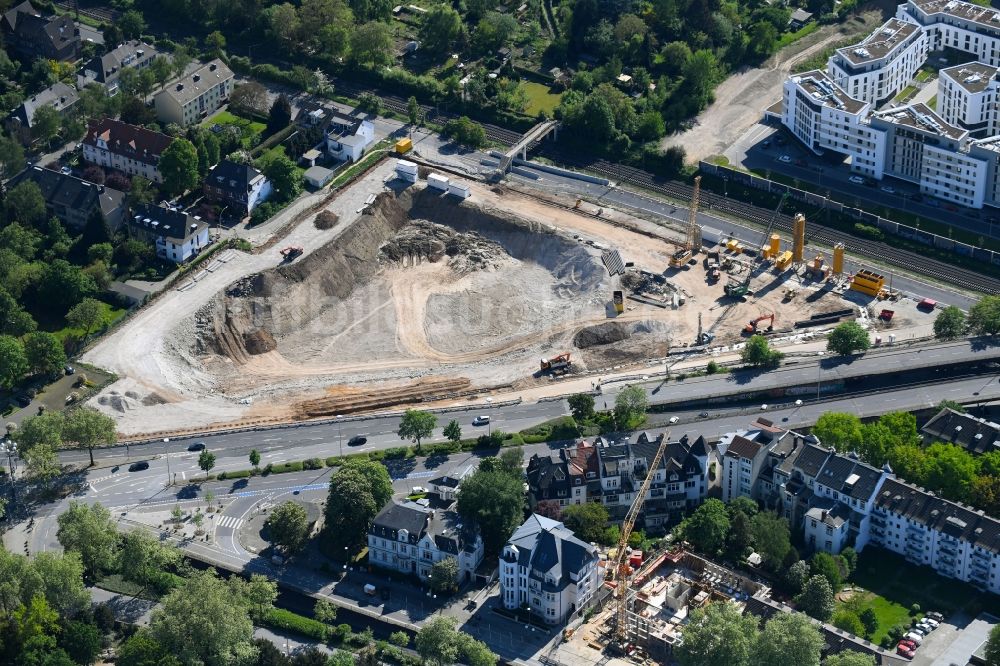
(691, 241)
(619, 570)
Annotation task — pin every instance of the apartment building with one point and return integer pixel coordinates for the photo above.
(546, 569)
(31, 35)
(967, 98)
(957, 25)
(988, 150)
(73, 200)
(240, 187)
(175, 235)
(882, 64)
(193, 97)
(410, 538)
(131, 149)
(741, 466)
(106, 69)
(975, 435)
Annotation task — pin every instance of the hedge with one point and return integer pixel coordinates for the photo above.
(235, 474)
(285, 620)
(281, 468)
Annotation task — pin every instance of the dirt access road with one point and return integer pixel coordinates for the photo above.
(741, 99)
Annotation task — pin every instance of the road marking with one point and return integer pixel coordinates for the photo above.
(183, 476)
(230, 521)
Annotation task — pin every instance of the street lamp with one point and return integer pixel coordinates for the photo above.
(9, 449)
(166, 454)
(340, 434)
(489, 417)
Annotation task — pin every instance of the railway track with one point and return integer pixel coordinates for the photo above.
(882, 252)
(97, 13)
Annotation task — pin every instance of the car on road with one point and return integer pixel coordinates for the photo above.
(69, 370)
(23, 399)
(785, 159)
(197, 446)
(674, 419)
(66, 170)
(480, 420)
(703, 415)
(763, 407)
(357, 440)
(857, 180)
(888, 189)
(138, 466)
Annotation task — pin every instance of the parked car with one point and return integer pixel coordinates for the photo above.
(785, 159)
(703, 415)
(937, 617)
(905, 651)
(857, 180)
(915, 637)
(909, 643)
(888, 189)
(919, 630)
(138, 466)
(357, 440)
(480, 420)
(197, 446)
(929, 623)
(69, 370)
(23, 399)
(674, 419)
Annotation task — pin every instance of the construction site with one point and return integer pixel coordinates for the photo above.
(429, 290)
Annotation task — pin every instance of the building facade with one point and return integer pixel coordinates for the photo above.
(545, 569)
(957, 25)
(192, 98)
(106, 69)
(347, 138)
(31, 35)
(73, 200)
(240, 187)
(133, 150)
(411, 538)
(882, 64)
(175, 235)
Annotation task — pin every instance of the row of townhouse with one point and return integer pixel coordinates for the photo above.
(611, 473)
(839, 501)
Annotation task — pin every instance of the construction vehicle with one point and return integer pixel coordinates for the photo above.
(289, 253)
(790, 294)
(739, 289)
(682, 256)
(713, 272)
(556, 365)
(619, 570)
(618, 298)
(753, 326)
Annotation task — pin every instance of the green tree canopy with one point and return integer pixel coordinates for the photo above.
(992, 652)
(494, 500)
(788, 638)
(13, 361)
(588, 521)
(89, 428)
(840, 430)
(288, 525)
(143, 558)
(89, 531)
(816, 598)
(453, 431)
(440, 29)
(950, 323)
(179, 166)
(772, 538)
(718, 634)
(444, 575)
(707, 527)
(439, 642)
(984, 316)
(582, 406)
(848, 338)
(758, 352)
(630, 407)
(371, 44)
(416, 425)
(850, 658)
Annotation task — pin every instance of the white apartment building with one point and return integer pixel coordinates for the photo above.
(967, 98)
(741, 465)
(958, 25)
(411, 538)
(881, 65)
(546, 569)
(176, 235)
(193, 97)
(988, 150)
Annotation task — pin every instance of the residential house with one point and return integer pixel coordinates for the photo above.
(446, 487)
(562, 477)
(130, 149)
(176, 235)
(59, 96)
(73, 199)
(548, 570)
(411, 538)
(799, 18)
(347, 138)
(106, 69)
(240, 187)
(741, 465)
(193, 97)
(31, 35)
(973, 434)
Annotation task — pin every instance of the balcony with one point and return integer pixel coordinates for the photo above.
(878, 522)
(949, 548)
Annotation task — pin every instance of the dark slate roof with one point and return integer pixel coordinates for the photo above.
(397, 517)
(547, 546)
(29, 25)
(700, 447)
(59, 96)
(173, 224)
(110, 65)
(546, 477)
(849, 476)
(741, 447)
(61, 189)
(972, 434)
(935, 513)
(444, 527)
(232, 177)
(131, 141)
(811, 459)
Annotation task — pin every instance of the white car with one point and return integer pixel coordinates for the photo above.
(888, 189)
(915, 637)
(674, 419)
(785, 159)
(857, 180)
(480, 420)
(798, 403)
(934, 624)
(763, 407)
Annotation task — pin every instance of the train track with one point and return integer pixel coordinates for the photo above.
(882, 252)
(97, 13)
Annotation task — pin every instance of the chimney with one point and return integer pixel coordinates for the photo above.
(213, 67)
(196, 78)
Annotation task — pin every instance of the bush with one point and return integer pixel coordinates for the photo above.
(869, 231)
(334, 461)
(235, 474)
(281, 468)
(284, 620)
(313, 463)
(395, 453)
(712, 368)
(342, 632)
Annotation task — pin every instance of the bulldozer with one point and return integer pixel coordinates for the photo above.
(753, 327)
(557, 365)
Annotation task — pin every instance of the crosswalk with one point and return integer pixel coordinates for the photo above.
(231, 521)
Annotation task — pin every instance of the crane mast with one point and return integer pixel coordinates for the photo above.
(692, 238)
(620, 571)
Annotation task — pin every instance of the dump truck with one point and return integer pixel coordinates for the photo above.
(556, 365)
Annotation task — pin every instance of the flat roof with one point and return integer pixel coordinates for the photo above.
(921, 117)
(973, 76)
(880, 43)
(990, 143)
(822, 89)
(966, 11)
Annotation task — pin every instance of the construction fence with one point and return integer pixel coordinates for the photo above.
(737, 177)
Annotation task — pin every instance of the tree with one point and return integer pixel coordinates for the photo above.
(325, 612)
(740, 537)
(11, 157)
(984, 316)
(206, 461)
(62, 285)
(87, 314)
(132, 24)
(44, 353)
(399, 639)
(254, 458)
(350, 507)
(587, 521)
(494, 500)
(179, 166)
(440, 29)
(788, 638)
(630, 407)
(816, 598)
(465, 131)
(258, 593)
(950, 323)
(847, 338)
(416, 425)
(869, 620)
(707, 527)
(13, 361)
(439, 642)
(849, 622)
(249, 99)
(717, 634)
(181, 58)
(89, 428)
(143, 558)
(280, 115)
(840, 430)
(850, 658)
(204, 621)
(89, 531)
(82, 642)
(45, 124)
(288, 526)
(143, 650)
(453, 431)
(582, 407)
(828, 566)
(140, 193)
(758, 353)
(475, 653)
(772, 538)
(444, 575)
(992, 653)
(61, 578)
(215, 43)
(284, 175)
(413, 108)
(25, 204)
(796, 576)
(371, 44)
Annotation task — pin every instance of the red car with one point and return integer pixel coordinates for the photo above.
(907, 642)
(905, 651)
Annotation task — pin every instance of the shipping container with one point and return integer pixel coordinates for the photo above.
(437, 181)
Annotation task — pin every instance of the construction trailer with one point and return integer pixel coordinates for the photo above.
(460, 190)
(437, 181)
(404, 146)
(406, 170)
(868, 282)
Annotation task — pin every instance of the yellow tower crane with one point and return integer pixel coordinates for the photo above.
(620, 570)
(692, 239)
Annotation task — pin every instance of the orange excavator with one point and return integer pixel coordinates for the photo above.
(557, 365)
(754, 325)
(289, 253)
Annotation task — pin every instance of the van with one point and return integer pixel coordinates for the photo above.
(369, 589)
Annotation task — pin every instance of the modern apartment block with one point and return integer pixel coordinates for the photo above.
(192, 98)
(958, 25)
(967, 98)
(881, 65)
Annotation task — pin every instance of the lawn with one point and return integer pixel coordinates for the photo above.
(889, 613)
(791, 37)
(111, 315)
(540, 98)
(923, 76)
(252, 129)
(932, 102)
(905, 94)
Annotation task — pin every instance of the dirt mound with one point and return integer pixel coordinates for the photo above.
(426, 240)
(601, 334)
(118, 402)
(259, 342)
(154, 399)
(348, 401)
(326, 220)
